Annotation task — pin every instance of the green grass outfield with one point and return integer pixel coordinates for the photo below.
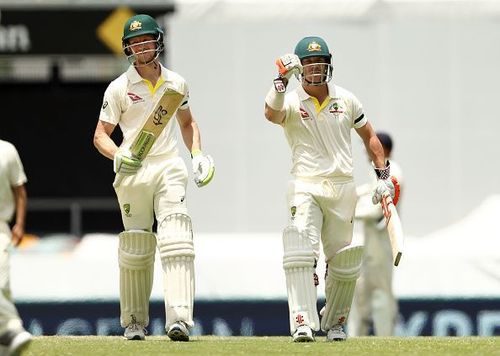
(212, 345)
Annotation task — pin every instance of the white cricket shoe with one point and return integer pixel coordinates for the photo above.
(336, 333)
(135, 331)
(19, 343)
(303, 334)
(178, 331)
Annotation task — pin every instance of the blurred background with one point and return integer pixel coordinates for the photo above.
(426, 72)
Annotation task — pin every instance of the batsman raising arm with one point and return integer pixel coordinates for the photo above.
(151, 180)
(317, 118)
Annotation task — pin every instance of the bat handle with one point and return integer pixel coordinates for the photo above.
(118, 180)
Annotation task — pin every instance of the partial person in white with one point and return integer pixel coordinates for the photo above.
(13, 201)
(154, 185)
(317, 118)
(374, 302)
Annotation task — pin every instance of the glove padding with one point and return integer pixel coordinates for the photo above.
(203, 168)
(288, 65)
(125, 164)
(390, 185)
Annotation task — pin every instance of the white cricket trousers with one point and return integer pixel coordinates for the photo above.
(158, 188)
(9, 318)
(324, 209)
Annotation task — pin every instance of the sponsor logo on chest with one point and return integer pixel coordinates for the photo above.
(135, 98)
(304, 115)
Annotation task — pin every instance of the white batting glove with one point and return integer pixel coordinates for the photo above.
(288, 65)
(383, 186)
(203, 168)
(386, 184)
(125, 164)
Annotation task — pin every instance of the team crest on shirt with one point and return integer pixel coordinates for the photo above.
(336, 108)
(135, 98)
(126, 210)
(304, 114)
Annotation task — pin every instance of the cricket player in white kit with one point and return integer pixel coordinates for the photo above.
(374, 300)
(152, 187)
(13, 200)
(317, 118)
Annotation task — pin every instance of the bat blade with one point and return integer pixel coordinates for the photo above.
(394, 228)
(156, 121)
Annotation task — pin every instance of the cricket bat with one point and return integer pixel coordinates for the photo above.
(155, 122)
(394, 227)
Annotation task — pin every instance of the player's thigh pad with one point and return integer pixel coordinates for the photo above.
(175, 242)
(343, 271)
(136, 254)
(298, 263)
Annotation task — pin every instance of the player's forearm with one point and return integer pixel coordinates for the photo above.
(372, 145)
(274, 116)
(105, 145)
(21, 198)
(191, 136)
(376, 152)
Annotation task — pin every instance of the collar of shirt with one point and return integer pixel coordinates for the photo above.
(135, 78)
(304, 96)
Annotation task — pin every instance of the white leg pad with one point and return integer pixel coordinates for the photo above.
(298, 263)
(175, 242)
(136, 255)
(343, 271)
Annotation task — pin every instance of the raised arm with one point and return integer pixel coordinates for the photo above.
(288, 65)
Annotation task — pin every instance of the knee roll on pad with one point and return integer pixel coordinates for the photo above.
(136, 254)
(343, 272)
(298, 263)
(175, 237)
(136, 249)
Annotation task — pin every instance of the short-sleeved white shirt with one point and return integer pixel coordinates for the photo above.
(11, 175)
(320, 136)
(129, 99)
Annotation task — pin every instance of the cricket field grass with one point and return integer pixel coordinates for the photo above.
(214, 345)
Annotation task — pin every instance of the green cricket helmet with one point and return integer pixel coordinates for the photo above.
(139, 25)
(313, 46)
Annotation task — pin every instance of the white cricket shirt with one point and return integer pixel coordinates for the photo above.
(129, 99)
(11, 175)
(320, 135)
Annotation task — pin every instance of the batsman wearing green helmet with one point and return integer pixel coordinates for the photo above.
(148, 102)
(317, 118)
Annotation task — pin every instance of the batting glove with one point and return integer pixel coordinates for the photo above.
(125, 164)
(203, 168)
(289, 65)
(386, 184)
